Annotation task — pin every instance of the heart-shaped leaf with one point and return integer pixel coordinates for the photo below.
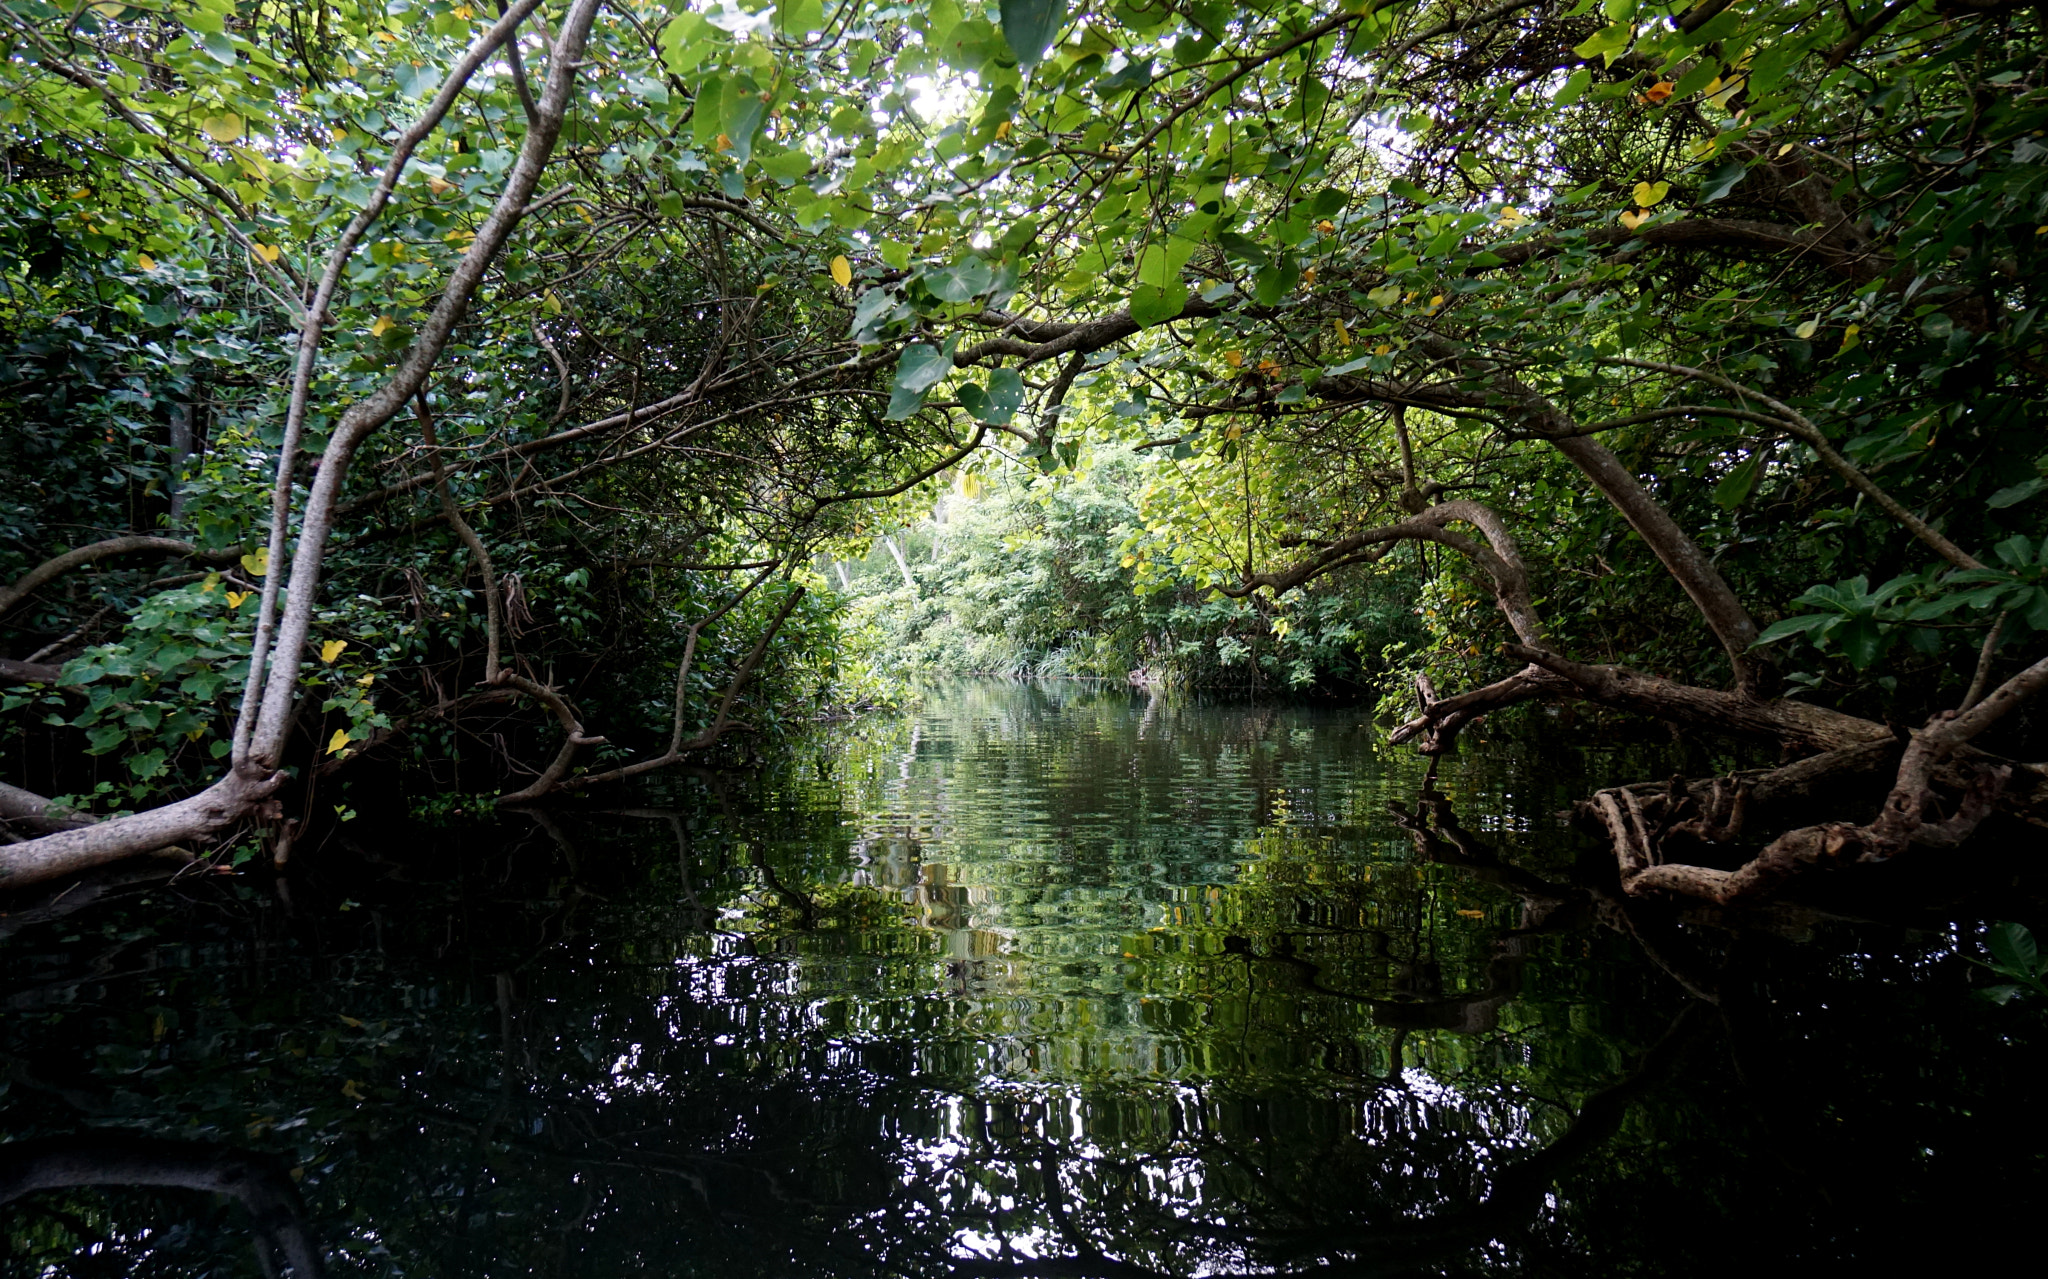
(1030, 27)
(1157, 303)
(921, 367)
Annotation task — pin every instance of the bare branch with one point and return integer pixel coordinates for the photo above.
(57, 566)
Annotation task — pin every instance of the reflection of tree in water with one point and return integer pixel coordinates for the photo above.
(716, 1036)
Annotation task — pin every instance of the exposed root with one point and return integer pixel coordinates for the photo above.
(1645, 832)
(1439, 721)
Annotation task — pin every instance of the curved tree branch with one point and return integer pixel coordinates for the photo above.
(58, 565)
(1795, 423)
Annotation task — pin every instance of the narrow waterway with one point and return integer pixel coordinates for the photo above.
(1032, 980)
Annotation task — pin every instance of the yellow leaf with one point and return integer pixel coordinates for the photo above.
(1807, 329)
(1849, 337)
(842, 271)
(257, 565)
(145, 261)
(1233, 358)
(1002, 130)
(382, 326)
(1785, 150)
(338, 742)
(1326, 226)
(550, 303)
(268, 252)
(332, 649)
(1648, 193)
(440, 186)
(723, 144)
(237, 598)
(1656, 93)
(1472, 914)
(347, 1020)
(351, 1089)
(1384, 348)
(1635, 218)
(1343, 334)
(459, 236)
(1233, 433)
(1127, 561)
(1309, 276)
(222, 128)
(463, 12)
(368, 679)
(1512, 216)
(1436, 301)
(210, 585)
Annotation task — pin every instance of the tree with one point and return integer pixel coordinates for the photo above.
(1629, 294)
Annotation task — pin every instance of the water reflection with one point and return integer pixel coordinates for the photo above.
(1034, 981)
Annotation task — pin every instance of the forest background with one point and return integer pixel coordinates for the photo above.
(494, 398)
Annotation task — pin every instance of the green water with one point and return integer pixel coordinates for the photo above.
(1053, 980)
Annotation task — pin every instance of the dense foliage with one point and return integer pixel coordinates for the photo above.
(1032, 575)
(1717, 322)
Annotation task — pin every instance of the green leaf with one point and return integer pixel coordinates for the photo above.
(1274, 283)
(1735, 488)
(1575, 87)
(1409, 191)
(1606, 43)
(739, 115)
(2012, 945)
(1791, 626)
(1155, 267)
(2017, 550)
(996, 403)
(685, 40)
(1863, 642)
(786, 166)
(1005, 396)
(1030, 27)
(2035, 611)
(1708, 70)
(1243, 248)
(1155, 304)
(903, 402)
(2018, 493)
(799, 17)
(921, 367)
(963, 281)
(1721, 179)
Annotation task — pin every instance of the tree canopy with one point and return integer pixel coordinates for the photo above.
(489, 363)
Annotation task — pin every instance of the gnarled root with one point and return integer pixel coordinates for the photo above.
(1642, 828)
(1440, 720)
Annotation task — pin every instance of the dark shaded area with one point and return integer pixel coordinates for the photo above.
(1032, 982)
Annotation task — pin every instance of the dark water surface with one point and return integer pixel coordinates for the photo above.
(1032, 981)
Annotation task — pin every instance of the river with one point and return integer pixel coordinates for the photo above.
(1033, 980)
